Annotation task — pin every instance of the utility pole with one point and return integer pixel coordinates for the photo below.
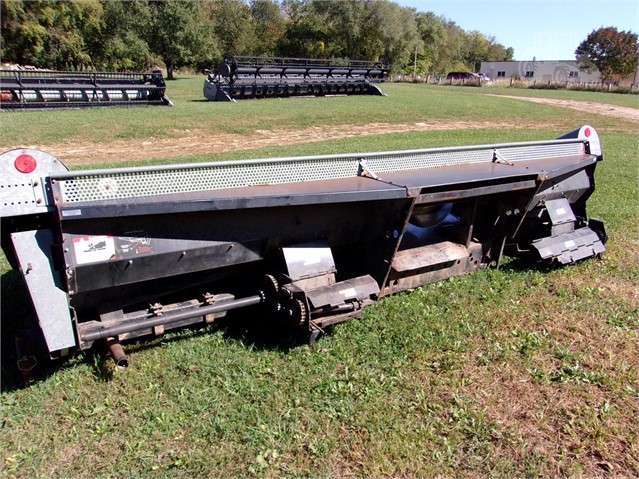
(415, 64)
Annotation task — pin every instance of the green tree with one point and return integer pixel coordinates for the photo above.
(121, 45)
(50, 34)
(614, 53)
(304, 32)
(480, 48)
(453, 50)
(389, 33)
(233, 26)
(268, 26)
(342, 26)
(132, 35)
(23, 36)
(434, 37)
(476, 47)
(499, 53)
(179, 32)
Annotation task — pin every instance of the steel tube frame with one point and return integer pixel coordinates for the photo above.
(103, 332)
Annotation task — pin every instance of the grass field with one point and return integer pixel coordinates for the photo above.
(516, 372)
(406, 103)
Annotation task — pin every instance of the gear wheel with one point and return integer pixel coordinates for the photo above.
(269, 289)
(298, 312)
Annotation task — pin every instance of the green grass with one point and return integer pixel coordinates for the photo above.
(386, 142)
(405, 103)
(516, 372)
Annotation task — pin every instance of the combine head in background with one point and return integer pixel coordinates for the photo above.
(33, 89)
(268, 77)
(108, 255)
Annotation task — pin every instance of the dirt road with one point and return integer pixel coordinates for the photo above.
(624, 112)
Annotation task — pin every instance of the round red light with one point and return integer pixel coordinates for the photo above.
(25, 163)
(587, 132)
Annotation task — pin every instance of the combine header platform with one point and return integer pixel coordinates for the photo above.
(117, 253)
(32, 89)
(268, 77)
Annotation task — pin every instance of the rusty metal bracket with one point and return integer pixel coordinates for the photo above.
(497, 158)
(364, 170)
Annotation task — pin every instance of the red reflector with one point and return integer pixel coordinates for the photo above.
(25, 163)
(587, 132)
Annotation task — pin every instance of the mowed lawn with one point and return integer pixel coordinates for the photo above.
(520, 371)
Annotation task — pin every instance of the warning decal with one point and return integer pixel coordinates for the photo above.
(92, 249)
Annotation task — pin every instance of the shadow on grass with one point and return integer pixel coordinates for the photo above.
(517, 265)
(251, 327)
(18, 328)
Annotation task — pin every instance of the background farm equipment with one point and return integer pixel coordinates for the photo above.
(32, 89)
(268, 77)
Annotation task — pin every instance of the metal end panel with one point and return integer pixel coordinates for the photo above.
(213, 92)
(29, 192)
(33, 249)
(375, 90)
(308, 260)
(560, 211)
(588, 134)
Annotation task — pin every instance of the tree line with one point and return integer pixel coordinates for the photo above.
(108, 35)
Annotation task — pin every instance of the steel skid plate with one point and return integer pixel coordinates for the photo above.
(570, 247)
(356, 289)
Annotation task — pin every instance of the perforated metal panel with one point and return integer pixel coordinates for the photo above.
(421, 160)
(101, 185)
(196, 178)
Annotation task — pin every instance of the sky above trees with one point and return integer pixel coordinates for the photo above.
(545, 29)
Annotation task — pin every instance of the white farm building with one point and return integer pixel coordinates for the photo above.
(539, 71)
